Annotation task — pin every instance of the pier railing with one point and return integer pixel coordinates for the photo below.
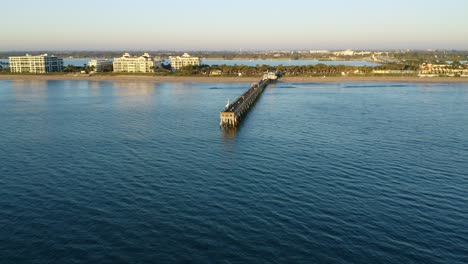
(234, 112)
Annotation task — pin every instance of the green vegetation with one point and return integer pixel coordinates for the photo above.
(396, 69)
(85, 68)
(306, 70)
(435, 57)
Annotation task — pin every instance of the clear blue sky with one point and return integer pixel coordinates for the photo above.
(233, 25)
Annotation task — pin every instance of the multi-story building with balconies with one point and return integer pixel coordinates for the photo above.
(36, 64)
(127, 63)
(184, 60)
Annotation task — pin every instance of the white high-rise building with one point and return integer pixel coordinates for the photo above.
(127, 63)
(99, 64)
(36, 64)
(184, 60)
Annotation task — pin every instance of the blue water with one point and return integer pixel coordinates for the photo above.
(128, 172)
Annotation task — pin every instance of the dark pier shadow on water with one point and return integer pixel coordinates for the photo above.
(228, 137)
(230, 133)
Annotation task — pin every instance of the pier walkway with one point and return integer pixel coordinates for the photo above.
(233, 113)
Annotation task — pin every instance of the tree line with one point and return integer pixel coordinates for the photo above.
(303, 70)
(244, 70)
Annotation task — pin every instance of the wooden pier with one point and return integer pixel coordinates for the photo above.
(234, 112)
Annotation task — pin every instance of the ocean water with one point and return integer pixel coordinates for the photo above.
(128, 172)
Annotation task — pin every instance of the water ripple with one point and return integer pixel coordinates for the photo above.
(316, 173)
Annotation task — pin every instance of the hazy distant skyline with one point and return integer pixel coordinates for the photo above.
(233, 25)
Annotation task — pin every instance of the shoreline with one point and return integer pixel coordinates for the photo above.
(202, 79)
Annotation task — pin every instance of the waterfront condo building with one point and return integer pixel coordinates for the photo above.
(184, 60)
(99, 64)
(36, 64)
(127, 63)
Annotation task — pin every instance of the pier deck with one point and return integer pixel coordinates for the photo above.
(235, 111)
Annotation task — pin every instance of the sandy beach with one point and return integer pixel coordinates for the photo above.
(137, 78)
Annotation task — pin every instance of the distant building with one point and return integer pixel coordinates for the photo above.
(36, 64)
(393, 71)
(319, 51)
(428, 69)
(216, 73)
(99, 64)
(184, 60)
(127, 63)
(363, 53)
(347, 52)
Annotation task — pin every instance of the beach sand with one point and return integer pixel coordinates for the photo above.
(133, 78)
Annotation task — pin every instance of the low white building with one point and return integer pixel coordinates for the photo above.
(127, 63)
(347, 52)
(36, 64)
(363, 53)
(319, 51)
(99, 64)
(184, 60)
(428, 69)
